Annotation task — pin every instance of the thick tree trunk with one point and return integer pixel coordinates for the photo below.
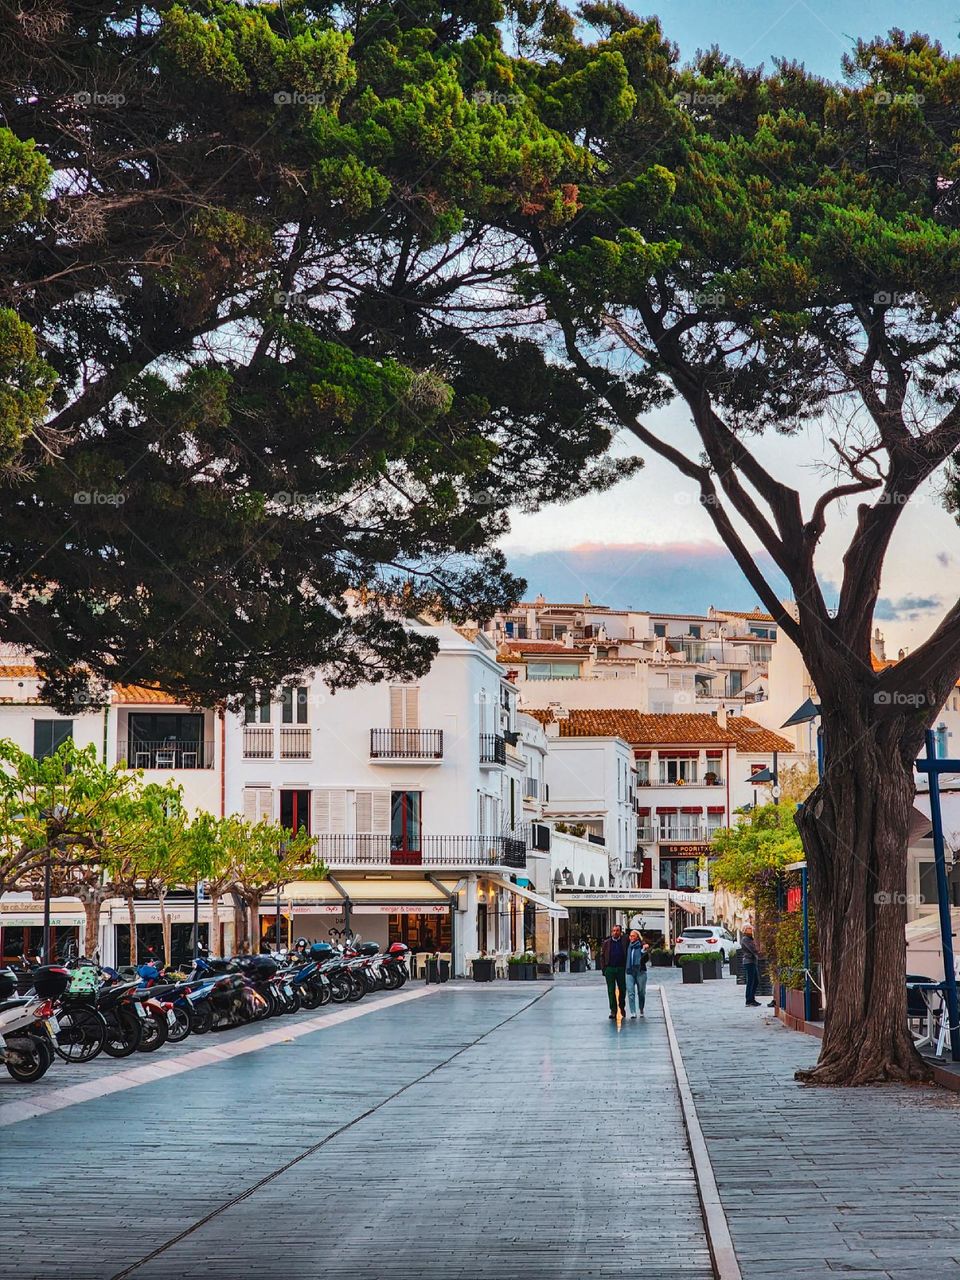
(91, 918)
(164, 926)
(132, 917)
(214, 939)
(855, 830)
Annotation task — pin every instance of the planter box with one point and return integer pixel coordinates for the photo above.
(662, 962)
(484, 970)
(712, 969)
(578, 964)
(692, 972)
(528, 973)
(734, 963)
(794, 1004)
(513, 972)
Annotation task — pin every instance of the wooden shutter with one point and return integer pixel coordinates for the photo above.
(396, 706)
(329, 812)
(258, 803)
(411, 706)
(373, 812)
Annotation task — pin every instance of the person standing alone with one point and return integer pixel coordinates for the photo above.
(613, 962)
(750, 954)
(638, 953)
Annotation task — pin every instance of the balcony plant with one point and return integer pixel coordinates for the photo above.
(710, 778)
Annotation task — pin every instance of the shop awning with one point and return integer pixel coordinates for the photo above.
(373, 894)
(542, 904)
(620, 899)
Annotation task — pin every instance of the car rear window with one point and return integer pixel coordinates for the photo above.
(698, 933)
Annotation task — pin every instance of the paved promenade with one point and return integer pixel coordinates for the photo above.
(481, 1131)
(473, 1132)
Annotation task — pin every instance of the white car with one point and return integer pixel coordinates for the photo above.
(706, 938)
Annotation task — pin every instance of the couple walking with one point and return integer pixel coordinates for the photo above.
(624, 963)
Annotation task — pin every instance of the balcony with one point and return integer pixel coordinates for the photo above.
(295, 744)
(684, 835)
(169, 753)
(257, 742)
(493, 749)
(646, 835)
(431, 851)
(399, 745)
(531, 788)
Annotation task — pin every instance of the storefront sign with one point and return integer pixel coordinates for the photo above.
(36, 921)
(399, 909)
(313, 909)
(697, 850)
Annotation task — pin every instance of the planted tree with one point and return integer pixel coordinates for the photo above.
(269, 857)
(776, 253)
(238, 245)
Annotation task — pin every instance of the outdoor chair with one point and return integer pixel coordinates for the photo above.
(923, 1008)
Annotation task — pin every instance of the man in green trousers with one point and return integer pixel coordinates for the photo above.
(613, 962)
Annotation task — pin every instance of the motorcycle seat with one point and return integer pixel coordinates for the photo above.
(17, 1002)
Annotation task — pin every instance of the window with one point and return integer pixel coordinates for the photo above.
(48, 735)
(257, 707)
(405, 822)
(295, 810)
(695, 632)
(553, 670)
(660, 629)
(734, 683)
(714, 822)
(760, 652)
(678, 769)
(294, 701)
(643, 773)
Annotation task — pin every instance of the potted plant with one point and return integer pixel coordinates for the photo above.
(484, 968)
(691, 966)
(661, 958)
(711, 778)
(578, 961)
(712, 965)
(560, 960)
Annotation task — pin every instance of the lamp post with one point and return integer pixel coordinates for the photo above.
(54, 816)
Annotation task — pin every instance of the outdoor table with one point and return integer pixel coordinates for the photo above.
(932, 1039)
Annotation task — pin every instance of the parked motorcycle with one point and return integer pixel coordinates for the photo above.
(28, 1023)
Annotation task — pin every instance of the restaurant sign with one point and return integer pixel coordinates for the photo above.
(697, 849)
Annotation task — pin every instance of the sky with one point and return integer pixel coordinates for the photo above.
(646, 543)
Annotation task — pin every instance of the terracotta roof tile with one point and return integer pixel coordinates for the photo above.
(515, 648)
(642, 729)
(18, 673)
(756, 614)
(751, 736)
(142, 693)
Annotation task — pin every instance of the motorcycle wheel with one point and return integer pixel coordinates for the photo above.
(124, 1032)
(325, 994)
(311, 997)
(182, 1028)
(294, 1003)
(201, 1018)
(391, 979)
(33, 1059)
(340, 989)
(154, 1034)
(81, 1035)
(276, 1005)
(358, 989)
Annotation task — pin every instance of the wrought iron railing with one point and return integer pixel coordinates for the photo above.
(493, 749)
(406, 744)
(295, 743)
(429, 851)
(257, 742)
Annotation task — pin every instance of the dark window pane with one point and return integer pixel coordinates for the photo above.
(48, 735)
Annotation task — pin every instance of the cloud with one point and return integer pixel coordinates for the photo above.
(676, 577)
(907, 608)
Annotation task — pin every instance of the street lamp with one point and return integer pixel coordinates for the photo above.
(58, 815)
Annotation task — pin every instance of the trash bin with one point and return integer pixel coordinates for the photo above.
(444, 970)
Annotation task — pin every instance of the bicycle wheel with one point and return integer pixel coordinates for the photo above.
(81, 1035)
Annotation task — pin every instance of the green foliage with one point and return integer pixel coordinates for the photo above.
(697, 957)
(786, 952)
(275, 335)
(749, 854)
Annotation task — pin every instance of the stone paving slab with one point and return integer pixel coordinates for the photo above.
(486, 1132)
(817, 1183)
